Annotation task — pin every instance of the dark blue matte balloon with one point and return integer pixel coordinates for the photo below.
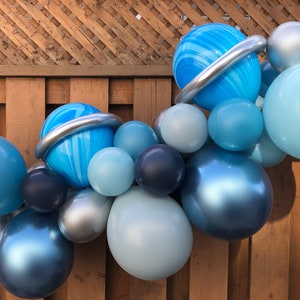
(159, 169)
(43, 190)
(35, 258)
(226, 194)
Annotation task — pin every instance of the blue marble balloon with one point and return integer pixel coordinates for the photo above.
(71, 156)
(12, 170)
(35, 257)
(201, 47)
(226, 194)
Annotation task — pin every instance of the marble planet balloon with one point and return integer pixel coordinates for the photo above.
(281, 111)
(13, 170)
(183, 127)
(84, 215)
(226, 194)
(202, 46)
(70, 156)
(283, 46)
(149, 236)
(35, 257)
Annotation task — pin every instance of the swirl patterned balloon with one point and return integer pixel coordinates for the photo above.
(70, 156)
(202, 46)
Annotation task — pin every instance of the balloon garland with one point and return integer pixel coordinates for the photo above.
(99, 173)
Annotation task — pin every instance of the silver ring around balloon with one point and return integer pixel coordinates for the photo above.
(255, 43)
(76, 125)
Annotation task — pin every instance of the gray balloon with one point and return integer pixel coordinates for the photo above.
(283, 46)
(149, 236)
(84, 215)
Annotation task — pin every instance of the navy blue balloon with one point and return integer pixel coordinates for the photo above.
(44, 190)
(159, 169)
(225, 194)
(35, 257)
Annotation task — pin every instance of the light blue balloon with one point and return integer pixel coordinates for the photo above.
(71, 156)
(111, 171)
(265, 152)
(236, 124)
(281, 111)
(201, 47)
(134, 137)
(13, 170)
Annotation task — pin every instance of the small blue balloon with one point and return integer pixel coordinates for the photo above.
(35, 257)
(13, 170)
(268, 74)
(235, 124)
(134, 137)
(201, 47)
(71, 156)
(110, 171)
(226, 194)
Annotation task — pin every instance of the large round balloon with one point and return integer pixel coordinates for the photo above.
(71, 156)
(43, 190)
(281, 111)
(159, 169)
(134, 137)
(183, 127)
(35, 258)
(235, 124)
(13, 170)
(149, 236)
(202, 46)
(226, 194)
(84, 215)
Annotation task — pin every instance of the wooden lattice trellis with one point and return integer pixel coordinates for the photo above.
(94, 32)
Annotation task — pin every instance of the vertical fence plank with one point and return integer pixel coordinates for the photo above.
(25, 113)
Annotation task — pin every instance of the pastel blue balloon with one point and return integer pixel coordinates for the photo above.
(265, 152)
(226, 194)
(268, 74)
(202, 46)
(111, 171)
(13, 170)
(235, 124)
(281, 111)
(71, 156)
(134, 137)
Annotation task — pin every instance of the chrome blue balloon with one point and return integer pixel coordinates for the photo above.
(12, 170)
(70, 157)
(35, 257)
(202, 46)
(225, 194)
(235, 124)
(134, 137)
(268, 74)
(281, 111)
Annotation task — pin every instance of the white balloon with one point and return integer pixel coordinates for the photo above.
(149, 236)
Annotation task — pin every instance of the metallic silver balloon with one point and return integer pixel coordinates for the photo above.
(84, 215)
(283, 46)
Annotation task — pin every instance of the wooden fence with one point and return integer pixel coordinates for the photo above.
(116, 55)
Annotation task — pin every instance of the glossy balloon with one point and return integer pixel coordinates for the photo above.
(110, 171)
(268, 74)
(283, 46)
(265, 152)
(202, 46)
(159, 169)
(149, 236)
(4, 221)
(134, 137)
(13, 170)
(84, 215)
(226, 194)
(35, 257)
(235, 124)
(71, 156)
(183, 127)
(43, 190)
(281, 111)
